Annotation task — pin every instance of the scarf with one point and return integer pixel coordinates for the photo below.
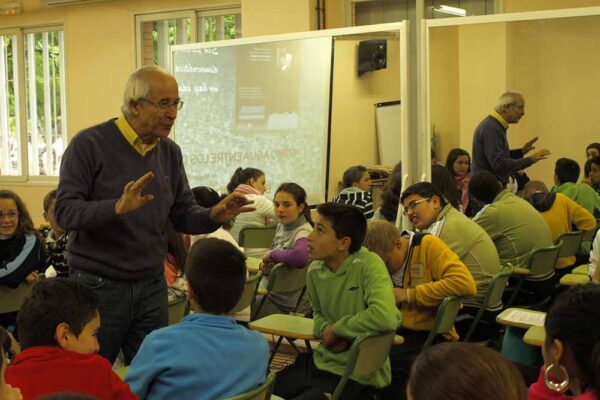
(462, 183)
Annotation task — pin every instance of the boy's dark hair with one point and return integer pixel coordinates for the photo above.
(424, 189)
(205, 196)
(441, 178)
(346, 220)
(49, 198)
(484, 186)
(593, 146)
(566, 170)
(67, 396)
(353, 174)
(573, 319)
(50, 303)
(216, 273)
(391, 197)
(587, 168)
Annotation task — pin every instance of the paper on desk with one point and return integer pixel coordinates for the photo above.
(526, 317)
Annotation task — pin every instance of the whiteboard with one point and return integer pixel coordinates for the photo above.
(387, 121)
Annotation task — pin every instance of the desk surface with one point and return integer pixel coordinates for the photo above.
(253, 264)
(520, 318)
(285, 325)
(535, 336)
(574, 279)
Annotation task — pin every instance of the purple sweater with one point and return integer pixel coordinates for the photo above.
(95, 168)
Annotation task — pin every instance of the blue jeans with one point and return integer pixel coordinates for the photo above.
(128, 312)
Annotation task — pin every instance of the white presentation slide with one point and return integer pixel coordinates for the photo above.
(262, 105)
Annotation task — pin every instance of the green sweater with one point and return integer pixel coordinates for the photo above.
(515, 227)
(357, 298)
(582, 194)
(472, 245)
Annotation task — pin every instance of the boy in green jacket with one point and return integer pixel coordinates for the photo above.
(351, 294)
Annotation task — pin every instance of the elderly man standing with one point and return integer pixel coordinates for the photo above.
(490, 146)
(120, 183)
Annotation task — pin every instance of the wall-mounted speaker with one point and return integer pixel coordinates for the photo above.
(372, 55)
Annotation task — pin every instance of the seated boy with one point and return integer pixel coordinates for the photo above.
(566, 175)
(561, 214)
(424, 272)
(357, 190)
(207, 355)
(351, 294)
(55, 245)
(58, 323)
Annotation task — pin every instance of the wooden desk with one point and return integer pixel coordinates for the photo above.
(528, 318)
(535, 336)
(292, 326)
(582, 270)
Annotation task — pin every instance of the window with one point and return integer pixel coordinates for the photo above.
(156, 32)
(32, 103)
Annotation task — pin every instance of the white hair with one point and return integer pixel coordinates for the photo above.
(138, 85)
(506, 100)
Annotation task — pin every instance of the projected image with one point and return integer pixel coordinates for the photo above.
(259, 105)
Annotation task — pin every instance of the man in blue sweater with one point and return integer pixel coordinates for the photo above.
(490, 146)
(121, 181)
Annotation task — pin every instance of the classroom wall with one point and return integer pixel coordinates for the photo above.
(269, 17)
(353, 132)
(554, 63)
(510, 6)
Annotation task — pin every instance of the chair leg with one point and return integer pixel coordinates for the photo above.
(291, 342)
(515, 292)
(473, 325)
(262, 301)
(275, 349)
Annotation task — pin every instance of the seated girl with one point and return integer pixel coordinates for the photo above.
(290, 245)
(21, 253)
(458, 163)
(251, 182)
(572, 348)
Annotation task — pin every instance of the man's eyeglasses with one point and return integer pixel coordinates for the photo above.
(9, 214)
(412, 205)
(519, 106)
(165, 104)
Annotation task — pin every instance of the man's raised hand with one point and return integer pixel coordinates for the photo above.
(132, 197)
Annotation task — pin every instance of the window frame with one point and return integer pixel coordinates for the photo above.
(192, 13)
(20, 33)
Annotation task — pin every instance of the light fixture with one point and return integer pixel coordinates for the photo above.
(11, 8)
(461, 12)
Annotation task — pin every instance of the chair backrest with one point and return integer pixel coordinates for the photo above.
(263, 392)
(571, 242)
(495, 290)
(542, 261)
(249, 293)
(177, 309)
(366, 355)
(257, 236)
(11, 299)
(588, 236)
(285, 279)
(444, 318)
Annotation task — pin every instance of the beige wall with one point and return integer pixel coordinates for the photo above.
(510, 6)
(270, 17)
(353, 134)
(555, 64)
(444, 87)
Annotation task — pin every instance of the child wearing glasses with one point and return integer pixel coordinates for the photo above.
(21, 255)
(429, 211)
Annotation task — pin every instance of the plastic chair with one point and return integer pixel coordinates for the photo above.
(366, 355)
(177, 309)
(257, 236)
(493, 296)
(284, 279)
(11, 299)
(571, 242)
(249, 293)
(263, 392)
(444, 319)
(540, 262)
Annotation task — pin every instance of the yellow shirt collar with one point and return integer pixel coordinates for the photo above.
(132, 137)
(500, 119)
